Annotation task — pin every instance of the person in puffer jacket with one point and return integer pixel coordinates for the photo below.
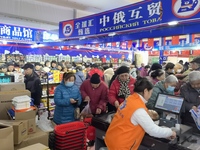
(67, 97)
(108, 74)
(80, 77)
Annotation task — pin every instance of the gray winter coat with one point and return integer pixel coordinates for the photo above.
(158, 88)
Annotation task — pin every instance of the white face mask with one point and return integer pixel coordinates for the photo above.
(179, 71)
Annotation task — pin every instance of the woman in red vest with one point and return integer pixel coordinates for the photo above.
(132, 120)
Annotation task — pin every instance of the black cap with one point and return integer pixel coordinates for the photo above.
(37, 64)
(122, 69)
(94, 66)
(28, 65)
(196, 60)
(3, 66)
(95, 79)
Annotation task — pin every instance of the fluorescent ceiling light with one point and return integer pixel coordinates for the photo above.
(172, 23)
(4, 42)
(112, 34)
(82, 38)
(34, 46)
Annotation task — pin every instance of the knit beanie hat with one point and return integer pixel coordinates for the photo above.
(95, 79)
(122, 69)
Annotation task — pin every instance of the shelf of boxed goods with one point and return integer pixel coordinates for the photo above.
(49, 86)
(47, 96)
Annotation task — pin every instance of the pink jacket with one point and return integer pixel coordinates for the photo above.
(143, 72)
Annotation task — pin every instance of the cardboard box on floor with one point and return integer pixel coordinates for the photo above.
(37, 146)
(38, 137)
(6, 101)
(20, 129)
(6, 137)
(13, 86)
(30, 117)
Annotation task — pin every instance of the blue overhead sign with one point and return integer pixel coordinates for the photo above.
(131, 17)
(19, 33)
(78, 27)
(146, 14)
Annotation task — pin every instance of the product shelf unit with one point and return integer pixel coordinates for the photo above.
(47, 96)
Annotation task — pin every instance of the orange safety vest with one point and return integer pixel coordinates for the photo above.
(122, 134)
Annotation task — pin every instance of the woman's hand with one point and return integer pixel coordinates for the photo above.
(87, 99)
(195, 108)
(116, 104)
(173, 136)
(98, 111)
(72, 101)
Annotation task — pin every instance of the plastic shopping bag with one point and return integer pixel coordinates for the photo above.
(86, 110)
(86, 113)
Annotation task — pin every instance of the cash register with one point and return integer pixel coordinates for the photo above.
(171, 107)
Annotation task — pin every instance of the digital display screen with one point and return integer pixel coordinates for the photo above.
(169, 103)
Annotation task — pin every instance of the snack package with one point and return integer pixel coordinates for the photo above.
(153, 114)
(196, 116)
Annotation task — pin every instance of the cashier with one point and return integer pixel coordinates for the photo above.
(191, 93)
(132, 120)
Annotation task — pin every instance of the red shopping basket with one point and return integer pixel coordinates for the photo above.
(70, 128)
(70, 136)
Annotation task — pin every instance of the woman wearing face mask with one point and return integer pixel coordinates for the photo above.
(67, 97)
(166, 87)
(132, 120)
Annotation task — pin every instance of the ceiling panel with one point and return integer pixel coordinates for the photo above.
(93, 6)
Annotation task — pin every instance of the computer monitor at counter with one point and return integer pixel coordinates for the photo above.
(169, 103)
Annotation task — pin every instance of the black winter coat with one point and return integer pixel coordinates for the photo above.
(33, 84)
(191, 98)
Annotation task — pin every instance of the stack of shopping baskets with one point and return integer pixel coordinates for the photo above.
(70, 136)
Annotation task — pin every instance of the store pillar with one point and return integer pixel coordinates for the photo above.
(161, 57)
(162, 43)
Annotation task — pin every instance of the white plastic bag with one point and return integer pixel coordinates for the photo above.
(86, 110)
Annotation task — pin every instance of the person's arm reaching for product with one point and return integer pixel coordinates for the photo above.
(60, 101)
(103, 100)
(112, 96)
(142, 118)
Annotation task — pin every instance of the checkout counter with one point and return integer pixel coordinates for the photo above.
(185, 140)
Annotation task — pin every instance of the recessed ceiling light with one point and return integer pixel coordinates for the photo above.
(172, 23)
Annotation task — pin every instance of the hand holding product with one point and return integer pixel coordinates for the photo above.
(72, 101)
